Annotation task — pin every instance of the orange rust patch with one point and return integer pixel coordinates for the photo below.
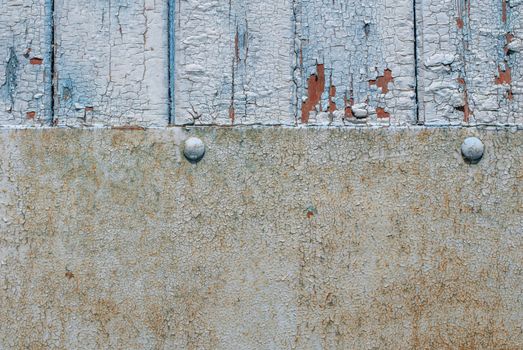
(36, 61)
(332, 93)
(459, 23)
(382, 114)
(30, 115)
(504, 77)
(383, 81)
(315, 87)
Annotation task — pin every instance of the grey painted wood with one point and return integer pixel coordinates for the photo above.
(234, 62)
(111, 62)
(24, 62)
(470, 53)
(355, 58)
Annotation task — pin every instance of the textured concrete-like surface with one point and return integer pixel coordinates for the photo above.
(279, 238)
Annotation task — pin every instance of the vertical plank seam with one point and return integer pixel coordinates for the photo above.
(171, 68)
(50, 88)
(416, 70)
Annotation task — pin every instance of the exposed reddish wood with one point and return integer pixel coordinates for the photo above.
(315, 87)
(383, 81)
(349, 102)
(332, 93)
(504, 76)
(459, 23)
(36, 61)
(237, 46)
(466, 107)
(509, 37)
(381, 113)
(504, 11)
(232, 114)
(30, 115)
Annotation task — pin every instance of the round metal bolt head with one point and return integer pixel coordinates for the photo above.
(472, 149)
(194, 149)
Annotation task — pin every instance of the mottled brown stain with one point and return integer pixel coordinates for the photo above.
(36, 61)
(30, 115)
(381, 113)
(128, 127)
(69, 274)
(315, 88)
(504, 76)
(383, 81)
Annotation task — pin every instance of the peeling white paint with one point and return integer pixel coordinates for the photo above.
(111, 62)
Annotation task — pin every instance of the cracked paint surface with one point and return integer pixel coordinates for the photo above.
(470, 53)
(367, 53)
(291, 62)
(280, 238)
(233, 62)
(111, 63)
(24, 63)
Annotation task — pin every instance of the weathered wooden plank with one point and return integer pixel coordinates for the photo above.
(234, 62)
(356, 59)
(470, 70)
(111, 62)
(24, 62)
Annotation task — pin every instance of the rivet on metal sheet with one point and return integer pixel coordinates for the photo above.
(472, 150)
(194, 149)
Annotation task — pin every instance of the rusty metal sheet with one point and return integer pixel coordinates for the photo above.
(279, 238)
